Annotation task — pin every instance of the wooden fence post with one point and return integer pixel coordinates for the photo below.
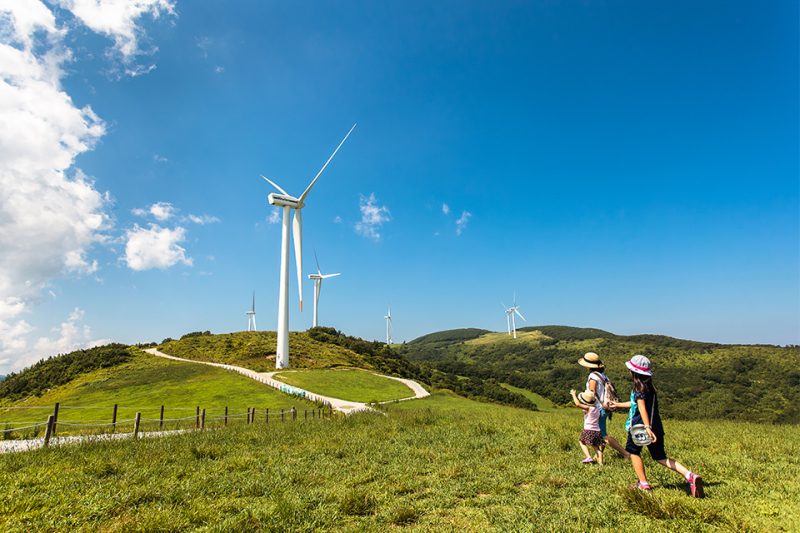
(305, 414)
(55, 417)
(226, 415)
(266, 416)
(161, 419)
(203, 419)
(197, 417)
(294, 413)
(136, 425)
(114, 419)
(281, 415)
(48, 432)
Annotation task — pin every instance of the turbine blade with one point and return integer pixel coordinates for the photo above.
(305, 193)
(520, 315)
(297, 234)
(254, 301)
(276, 186)
(319, 271)
(326, 276)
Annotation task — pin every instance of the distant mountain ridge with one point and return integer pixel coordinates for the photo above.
(696, 380)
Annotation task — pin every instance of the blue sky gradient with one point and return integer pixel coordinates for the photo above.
(625, 166)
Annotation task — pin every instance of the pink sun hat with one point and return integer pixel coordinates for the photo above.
(640, 364)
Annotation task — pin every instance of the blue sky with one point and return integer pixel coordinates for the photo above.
(630, 167)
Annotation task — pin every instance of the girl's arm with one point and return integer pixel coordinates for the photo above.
(575, 399)
(645, 417)
(615, 405)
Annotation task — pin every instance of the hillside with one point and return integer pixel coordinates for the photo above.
(439, 464)
(696, 380)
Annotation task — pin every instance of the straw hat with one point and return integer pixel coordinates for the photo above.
(591, 360)
(640, 364)
(586, 398)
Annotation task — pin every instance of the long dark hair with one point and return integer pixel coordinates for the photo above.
(642, 383)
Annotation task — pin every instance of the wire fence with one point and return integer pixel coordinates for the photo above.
(60, 423)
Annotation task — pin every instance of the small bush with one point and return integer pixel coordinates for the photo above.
(357, 503)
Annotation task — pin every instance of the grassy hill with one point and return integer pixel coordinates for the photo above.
(348, 384)
(143, 383)
(696, 380)
(439, 464)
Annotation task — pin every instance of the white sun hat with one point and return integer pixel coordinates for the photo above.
(640, 364)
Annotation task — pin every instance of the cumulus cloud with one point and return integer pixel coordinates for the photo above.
(275, 216)
(445, 209)
(162, 211)
(201, 219)
(51, 214)
(373, 217)
(461, 223)
(117, 19)
(155, 247)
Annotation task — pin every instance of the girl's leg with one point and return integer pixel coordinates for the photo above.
(638, 467)
(599, 455)
(585, 450)
(614, 443)
(672, 464)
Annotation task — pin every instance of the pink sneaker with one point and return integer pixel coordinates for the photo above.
(696, 486)
(587, 461)
(643, 486)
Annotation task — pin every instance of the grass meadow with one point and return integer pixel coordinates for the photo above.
(443, 463)
(144, 384)
(350, 384)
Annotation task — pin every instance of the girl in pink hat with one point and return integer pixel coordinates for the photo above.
(643, 407)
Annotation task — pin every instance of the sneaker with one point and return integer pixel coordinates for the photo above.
(643, 486)
(696, 486)
(587, 461)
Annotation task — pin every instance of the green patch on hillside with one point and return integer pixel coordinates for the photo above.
(348, 384)
(451, 335)
(439, 464)
(144, 384)
(256, 350)
(61, 369)
(541, 403)
(696, 380)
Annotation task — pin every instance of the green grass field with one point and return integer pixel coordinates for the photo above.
(144, 384)
(541, 403)
(348, 384)
(438, 464)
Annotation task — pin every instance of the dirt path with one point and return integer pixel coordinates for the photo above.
(343, 406)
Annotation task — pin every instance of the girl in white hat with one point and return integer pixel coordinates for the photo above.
(600, 385)
(590, 436)
(644, 411)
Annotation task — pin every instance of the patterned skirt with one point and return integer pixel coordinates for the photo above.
(591, 437)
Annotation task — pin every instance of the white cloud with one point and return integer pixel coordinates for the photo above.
(219, 69)
(337, 219)
(373, 217)
(51, 214)
(275, 216)
(461, 223)
(117, 19)
(161, 211)
(445, 209)
(160, 158)
(155, 247)
(201, 219)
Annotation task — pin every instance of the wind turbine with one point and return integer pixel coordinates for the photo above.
(289, 202)
(510, 318)
(318, 277)
(388, 319)
(251, 315)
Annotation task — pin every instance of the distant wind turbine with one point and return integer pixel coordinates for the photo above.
(289, 202)
(510, 318)
(318, 277)
(251, 315)
(388, 319)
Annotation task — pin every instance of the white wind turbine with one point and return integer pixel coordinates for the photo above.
(251, 315)
(289, 202)
(510, 318)
(388, 319)
(318, 277)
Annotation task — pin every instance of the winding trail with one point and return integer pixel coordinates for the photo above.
(343, 406)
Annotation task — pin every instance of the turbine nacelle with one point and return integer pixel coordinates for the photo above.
(284, 200)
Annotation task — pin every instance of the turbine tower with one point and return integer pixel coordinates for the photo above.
(510, 317)
(388, 319)
(251, 315)
(289, 202)
(318, 277)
